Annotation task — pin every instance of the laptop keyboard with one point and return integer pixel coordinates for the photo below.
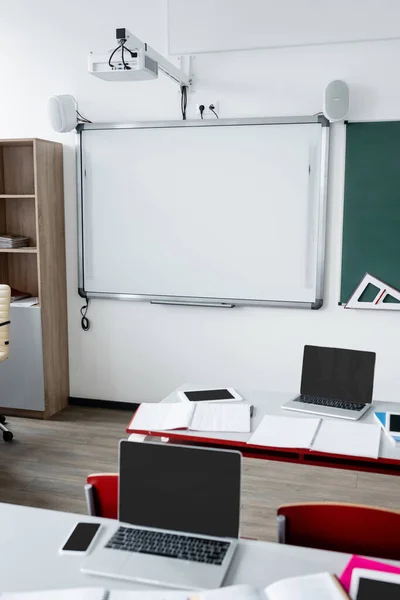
(331, 403)
(169, 545)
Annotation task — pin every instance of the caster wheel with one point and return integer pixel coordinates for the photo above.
(2, 419)
(7, 436)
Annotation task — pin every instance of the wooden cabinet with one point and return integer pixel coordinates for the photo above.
(32, 204)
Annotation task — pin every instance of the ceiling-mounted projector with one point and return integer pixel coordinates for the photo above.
(133, 60)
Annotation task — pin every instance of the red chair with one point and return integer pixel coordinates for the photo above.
(101, 492)
(350, 528)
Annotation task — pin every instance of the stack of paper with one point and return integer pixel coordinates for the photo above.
(285, 432)
(352, 439)
(196, 417)
(321, 435)
(9, 240)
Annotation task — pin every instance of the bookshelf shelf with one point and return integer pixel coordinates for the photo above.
(26, 250)
(12, 196)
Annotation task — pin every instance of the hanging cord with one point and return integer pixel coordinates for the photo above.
(121, 46)
(183, 101)
(82, 118)
(85, 323)
(212, 108)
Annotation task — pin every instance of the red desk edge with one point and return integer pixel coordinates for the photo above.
(389, 466)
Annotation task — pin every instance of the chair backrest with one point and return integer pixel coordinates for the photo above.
(5, 296)
(351, 528)
(102, 495)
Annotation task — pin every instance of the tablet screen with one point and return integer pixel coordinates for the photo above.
(394, 423)
(371, 589)
(207, 395)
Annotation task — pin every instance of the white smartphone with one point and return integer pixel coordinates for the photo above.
(81, 539)
(217, 395)
(366, 584)
(393, 423)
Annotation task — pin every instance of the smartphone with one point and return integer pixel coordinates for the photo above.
(81, 539)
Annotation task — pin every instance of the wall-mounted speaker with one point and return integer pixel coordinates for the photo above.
(336, 100)
(62, 113)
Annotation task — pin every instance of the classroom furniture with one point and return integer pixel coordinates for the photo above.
(259, 172)
(32, 204)
(269, 24)
(371, 219)
(31, 538)
(271, 403)
(5, 294)
(353, 528)
(101, 493)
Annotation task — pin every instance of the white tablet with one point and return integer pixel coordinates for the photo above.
(374, 585)
(393, 423)
(217, 395)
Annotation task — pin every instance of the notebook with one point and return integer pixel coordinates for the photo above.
(310, 587)
(358, 562)
(321, 435)
(196, 417)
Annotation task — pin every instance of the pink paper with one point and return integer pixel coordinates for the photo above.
(358, 562)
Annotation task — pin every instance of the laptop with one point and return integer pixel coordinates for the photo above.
(335, 382)
(179, 510)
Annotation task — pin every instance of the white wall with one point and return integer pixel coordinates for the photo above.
(137, 352)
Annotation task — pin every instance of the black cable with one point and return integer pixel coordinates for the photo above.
(211, 107)
(112, 54)
(85, 323)
(183, 101)
(126, 67)
(84, 119)
(202, 109)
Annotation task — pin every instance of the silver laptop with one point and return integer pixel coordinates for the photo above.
(335, 382)
(179, 510)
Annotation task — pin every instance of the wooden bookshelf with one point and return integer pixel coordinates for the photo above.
(32, 204)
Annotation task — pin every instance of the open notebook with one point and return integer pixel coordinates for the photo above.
(196, 417)
(311, 587)
(321, 435)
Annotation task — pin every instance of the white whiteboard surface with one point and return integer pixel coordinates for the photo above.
(222, 25)
(223, 212)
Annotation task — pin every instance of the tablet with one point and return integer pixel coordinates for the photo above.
(372, 585)
(393, 423)
(217, 395)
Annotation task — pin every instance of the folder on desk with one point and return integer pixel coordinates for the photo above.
(196, 417)
(321, 435)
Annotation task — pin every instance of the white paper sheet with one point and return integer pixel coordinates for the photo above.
(351, 439)
(150, 595)
(68, 594)
(285, 432)
(221, 417)
(157, 417)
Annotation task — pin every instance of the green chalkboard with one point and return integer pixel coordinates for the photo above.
(371, 220)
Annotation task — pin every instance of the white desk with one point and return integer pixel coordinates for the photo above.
(31, 537)
(269, 402)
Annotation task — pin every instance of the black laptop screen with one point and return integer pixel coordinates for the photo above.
(180, 488)
(337, 373)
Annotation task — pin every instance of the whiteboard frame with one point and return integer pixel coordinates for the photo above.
(205, 301)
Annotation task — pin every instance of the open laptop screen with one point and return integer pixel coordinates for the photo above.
(338, 373)
(181, 488)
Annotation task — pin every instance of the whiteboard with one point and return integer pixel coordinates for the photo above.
(217, 211)
(222, 25)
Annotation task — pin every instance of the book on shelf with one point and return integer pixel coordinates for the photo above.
(12, 240)
(380, 417)
(310, 587)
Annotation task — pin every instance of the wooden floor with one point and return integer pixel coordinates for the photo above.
(48, 461)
